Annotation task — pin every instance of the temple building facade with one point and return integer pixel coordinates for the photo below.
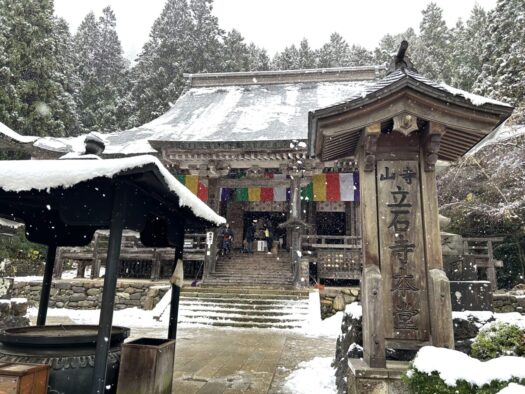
(275, 147)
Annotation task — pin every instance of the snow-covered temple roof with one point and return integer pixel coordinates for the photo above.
(238, 107)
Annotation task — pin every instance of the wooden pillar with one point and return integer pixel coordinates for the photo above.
(373, 335)
(155, 265)
(367, 178)
(371, 284)
(108, 293)
(95, 265)
(295, 213)
(59, 264)
(46, 286)
(439, 305)
(491, 269)
(441, 309)
(176, 285)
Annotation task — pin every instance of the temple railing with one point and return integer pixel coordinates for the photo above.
(336, 257)
(136, 260)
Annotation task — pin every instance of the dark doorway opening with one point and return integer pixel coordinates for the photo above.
(331, 223)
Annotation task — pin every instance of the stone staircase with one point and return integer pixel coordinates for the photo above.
(258, 269)
(245, 307)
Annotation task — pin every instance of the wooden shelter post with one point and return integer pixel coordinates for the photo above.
(176, 285)
(108, 294)
(46, 285)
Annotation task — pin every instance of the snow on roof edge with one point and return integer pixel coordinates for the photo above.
(9, 133)
(25, 175)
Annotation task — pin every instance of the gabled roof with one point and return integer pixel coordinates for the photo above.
(468, 117)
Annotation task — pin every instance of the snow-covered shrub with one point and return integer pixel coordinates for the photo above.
(499, 339)
(445, 371)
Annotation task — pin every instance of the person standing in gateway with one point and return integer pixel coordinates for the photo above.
(227, 241)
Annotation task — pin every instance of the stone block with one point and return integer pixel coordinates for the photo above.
(348, 298)
(365, 380)
(130, 290)
(93, 291)
(135, 296)
(339, 303)
(149, 304)
(78, 297)
(122, 295)
(471, 296)
(6, 287)
(59, 304)
(152, 292)
(19, 308)
(78, 289)
(63, 285)
(460, 268)
(5, 308)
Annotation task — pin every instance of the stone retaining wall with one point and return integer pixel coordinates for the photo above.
(508, 303)
(13, 313)
(87, 294)
(335, 299)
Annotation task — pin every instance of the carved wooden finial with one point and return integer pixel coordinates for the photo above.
(401, 61)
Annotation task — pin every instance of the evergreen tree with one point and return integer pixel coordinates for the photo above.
(158, 75)
(389, 45)
(466, 57)
(432, 55)
(503, 55)
(288, 59)
(306, 56)
(335, 53)
(206, 47)
(33, 102)
(258, 59)
(66, 76)
(101, 69)
(236, 56)
(360, 56)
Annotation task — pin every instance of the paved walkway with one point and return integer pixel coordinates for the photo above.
(234, 361)
(217, 360)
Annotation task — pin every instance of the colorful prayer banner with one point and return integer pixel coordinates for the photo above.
(330, 187)
(197, 186)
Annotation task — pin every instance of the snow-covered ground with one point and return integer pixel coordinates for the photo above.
(313, 377)
(453, 366)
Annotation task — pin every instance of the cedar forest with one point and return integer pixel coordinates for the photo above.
(89, 84)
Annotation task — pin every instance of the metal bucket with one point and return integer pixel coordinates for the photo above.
(68, 349)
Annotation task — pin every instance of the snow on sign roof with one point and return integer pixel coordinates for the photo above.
(25, 175)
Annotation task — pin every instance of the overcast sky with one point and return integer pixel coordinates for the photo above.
(274, 24)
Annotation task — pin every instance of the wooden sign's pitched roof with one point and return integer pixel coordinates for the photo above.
(468, 117)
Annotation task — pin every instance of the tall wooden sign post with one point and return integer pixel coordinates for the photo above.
(406, 296)
(397, 130)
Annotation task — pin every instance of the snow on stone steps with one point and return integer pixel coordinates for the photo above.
(245, 308)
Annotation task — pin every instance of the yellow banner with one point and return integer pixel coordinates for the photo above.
(319, 183)
(254, 194)
(192, 183)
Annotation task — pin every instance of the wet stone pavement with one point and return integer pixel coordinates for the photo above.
(234, 361)
(216, 361)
